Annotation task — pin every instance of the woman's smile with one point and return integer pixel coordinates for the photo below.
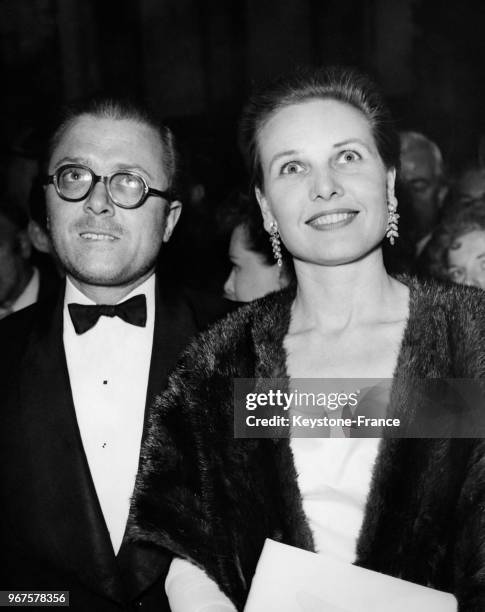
(331, 220)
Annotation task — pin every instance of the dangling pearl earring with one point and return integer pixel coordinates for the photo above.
(274, 237)
(392, 221)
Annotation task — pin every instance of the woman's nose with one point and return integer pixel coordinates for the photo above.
(325, 185)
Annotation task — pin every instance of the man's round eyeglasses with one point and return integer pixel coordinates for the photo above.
(127, 189)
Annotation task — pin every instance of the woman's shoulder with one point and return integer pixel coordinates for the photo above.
(445, 334)
(454, 300)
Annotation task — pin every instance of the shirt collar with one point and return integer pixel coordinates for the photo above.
(147, 288)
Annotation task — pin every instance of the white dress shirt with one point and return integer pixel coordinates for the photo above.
(108, 371)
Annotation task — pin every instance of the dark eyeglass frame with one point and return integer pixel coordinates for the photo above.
(52, 179)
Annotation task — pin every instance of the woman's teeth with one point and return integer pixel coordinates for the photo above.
(332, 218)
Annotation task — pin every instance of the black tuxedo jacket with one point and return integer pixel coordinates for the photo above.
(52, 532)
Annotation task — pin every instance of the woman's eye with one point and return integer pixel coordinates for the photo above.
(292, 168)
(347, 157)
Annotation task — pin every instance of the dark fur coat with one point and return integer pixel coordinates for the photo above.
(214, 499)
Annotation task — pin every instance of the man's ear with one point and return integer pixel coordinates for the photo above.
(268, 218)
(171, 219)
(39, 237)
(24, 244)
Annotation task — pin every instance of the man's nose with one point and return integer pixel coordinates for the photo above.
(98, 201)
(325, 184)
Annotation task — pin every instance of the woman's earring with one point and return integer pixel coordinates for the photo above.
(274, 236)
(392, 221)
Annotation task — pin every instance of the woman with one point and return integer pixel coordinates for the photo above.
(457, 249)
(323, 154)
(254, 272)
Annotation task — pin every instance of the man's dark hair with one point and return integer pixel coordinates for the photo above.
(120, 109)
(342, 84)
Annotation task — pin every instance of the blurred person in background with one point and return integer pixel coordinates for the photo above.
(422, 175)
(456, 251)
(43, 255)
(37, 226)
(469, 187)
(21, 281)
(256, 269)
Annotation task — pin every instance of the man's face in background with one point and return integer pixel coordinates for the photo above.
(14, 258)
(421, 178)
(470, 187)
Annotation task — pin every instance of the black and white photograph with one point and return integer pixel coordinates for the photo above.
(242, 315)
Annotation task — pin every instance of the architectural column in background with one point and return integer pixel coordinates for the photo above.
(173, 72)
(391, 45)
(76, 22)
(278, 37)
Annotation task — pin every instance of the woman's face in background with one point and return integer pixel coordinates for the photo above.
(251, 277)
(466, 259)
(324, 181)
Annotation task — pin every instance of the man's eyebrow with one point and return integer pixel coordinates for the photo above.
(72, 160)
(120, 166)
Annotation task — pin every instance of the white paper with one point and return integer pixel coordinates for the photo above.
(289, 579)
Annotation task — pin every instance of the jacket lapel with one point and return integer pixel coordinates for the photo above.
(141, 564)
(174, 326)
(60, 513)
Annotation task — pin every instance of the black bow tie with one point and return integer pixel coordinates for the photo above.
(132, 311)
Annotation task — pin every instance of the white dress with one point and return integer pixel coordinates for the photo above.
(334, 476)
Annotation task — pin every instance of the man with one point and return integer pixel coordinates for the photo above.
(469, 187)
(21, 283)
(78, 374)
(422, 175)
